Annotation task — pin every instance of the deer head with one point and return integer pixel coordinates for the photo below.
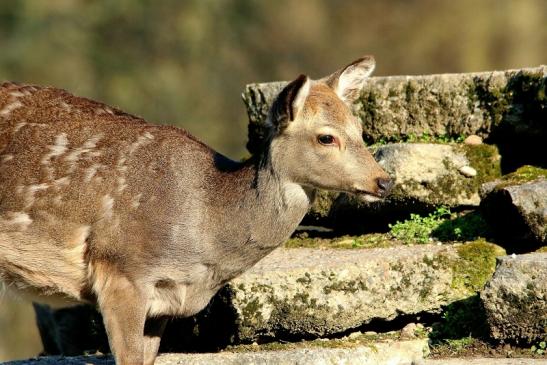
(317, 142)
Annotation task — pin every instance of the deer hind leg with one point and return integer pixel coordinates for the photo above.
(153, 330)
(124, 313)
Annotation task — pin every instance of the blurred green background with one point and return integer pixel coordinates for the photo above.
(186, 62)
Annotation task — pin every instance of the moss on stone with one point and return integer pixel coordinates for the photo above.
(358, 339)
(251, 310)
(492, 98)
(351, 286)
(542, 249)
(485, 159)
(475, 265)
(522, 175)
(374, 240)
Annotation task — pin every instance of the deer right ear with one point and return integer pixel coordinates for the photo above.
(348, 82)
(290, 102)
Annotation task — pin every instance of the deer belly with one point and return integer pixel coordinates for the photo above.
(40, 269)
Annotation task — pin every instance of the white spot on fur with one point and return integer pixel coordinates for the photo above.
(142, 140)
(6, 158)
(60, 147)
(37, 187)
(30, 192)
(107, 206)
(16, 94)
(105, 110)
(18, 126)
(88, 145)
(136, 202)
(19, 219)
(66, 106)
(61, 181)
(90, 172)
(10, 107)
(121, 184)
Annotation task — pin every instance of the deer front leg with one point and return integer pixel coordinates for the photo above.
(124, 314)
(153, 330)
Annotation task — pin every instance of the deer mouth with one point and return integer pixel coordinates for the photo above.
(368, 196)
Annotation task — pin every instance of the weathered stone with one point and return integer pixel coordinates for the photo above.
(307, 292)
(508, 107)
(516, 208)
(388, 353)
(515, 299)
(303, 293)
(426, 176)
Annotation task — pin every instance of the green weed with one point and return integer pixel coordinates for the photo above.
(419, 229)
(442, 225)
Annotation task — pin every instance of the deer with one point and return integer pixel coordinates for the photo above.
(145, 221)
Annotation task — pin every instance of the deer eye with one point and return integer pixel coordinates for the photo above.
(326, 139)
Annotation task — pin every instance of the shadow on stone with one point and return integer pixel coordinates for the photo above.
(463, 318)
(519, 111)
(79, 330)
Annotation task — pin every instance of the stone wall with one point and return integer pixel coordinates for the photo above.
(506, 108)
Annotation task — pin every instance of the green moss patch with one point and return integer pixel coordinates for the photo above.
(475, 266)
(485, 159)
(374, 240)
(522, 175)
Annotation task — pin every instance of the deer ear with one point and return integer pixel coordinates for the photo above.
(348, 81)
(290, 102)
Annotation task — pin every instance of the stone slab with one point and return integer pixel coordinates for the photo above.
(388, 353)
(515, 299)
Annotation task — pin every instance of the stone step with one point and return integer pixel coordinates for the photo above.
(379, 353)
(311, 292)
(300, 293)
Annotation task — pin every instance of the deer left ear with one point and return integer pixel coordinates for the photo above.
(348, 81)
(290, 102)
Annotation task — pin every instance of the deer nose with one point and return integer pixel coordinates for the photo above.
(384, 186)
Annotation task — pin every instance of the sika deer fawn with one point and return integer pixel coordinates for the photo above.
(98, 206)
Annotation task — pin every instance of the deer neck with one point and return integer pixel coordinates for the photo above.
(258, 209)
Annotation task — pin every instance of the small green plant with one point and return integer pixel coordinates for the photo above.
(540, 349)
(459, 344)
(418, 229)
(442, 225)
